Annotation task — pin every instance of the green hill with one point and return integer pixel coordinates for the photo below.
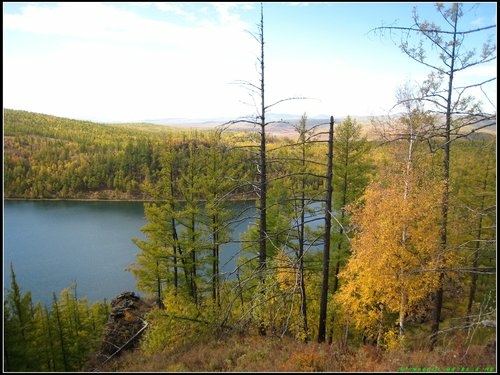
(50, 157)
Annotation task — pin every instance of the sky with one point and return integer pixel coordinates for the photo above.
(125, 62)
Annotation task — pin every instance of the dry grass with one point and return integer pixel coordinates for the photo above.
(252, 353)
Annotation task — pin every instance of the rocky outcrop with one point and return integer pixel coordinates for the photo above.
(124, 328)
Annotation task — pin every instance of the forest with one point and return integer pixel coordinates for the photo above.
(188, 178)
(374, 238)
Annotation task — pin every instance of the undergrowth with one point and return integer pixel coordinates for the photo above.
(247, 352)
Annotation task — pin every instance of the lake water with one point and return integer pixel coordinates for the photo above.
(52, 244)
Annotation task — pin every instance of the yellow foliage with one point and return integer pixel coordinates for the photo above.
(180, 322)
(394, 253)
(286, 272)
(391, 340)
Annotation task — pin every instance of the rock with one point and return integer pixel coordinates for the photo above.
(124, 328)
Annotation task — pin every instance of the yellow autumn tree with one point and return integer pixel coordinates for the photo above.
(282, 307)
(391, 271)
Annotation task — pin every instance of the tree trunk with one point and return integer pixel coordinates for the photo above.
(174, 232)
(263, 170)
(61, 334)
(445, 198)
(159, 299)
(326, 249)
(303, 305)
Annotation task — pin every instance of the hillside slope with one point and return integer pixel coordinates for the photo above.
(250, 352)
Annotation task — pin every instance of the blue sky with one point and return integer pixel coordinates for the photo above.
(138, 61)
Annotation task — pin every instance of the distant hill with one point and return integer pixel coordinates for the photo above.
(280, 124)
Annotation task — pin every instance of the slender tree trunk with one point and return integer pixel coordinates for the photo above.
(159, 299)
(326, 249)
(342, 216)
(303, 303)
(263, 170)
(176, 276)
(438, 297)
(51, 359)
(337, 266)
(339, 248)
(183, 260)
(215, 262)
(185, 266)
(192, 226)
(193, 260)
(404, 235)
(174, 231)
(61, 334)
(77, 326)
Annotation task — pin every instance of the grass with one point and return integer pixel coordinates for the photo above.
(253, 353)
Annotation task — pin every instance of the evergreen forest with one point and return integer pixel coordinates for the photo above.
(371, 241)
(187, 179)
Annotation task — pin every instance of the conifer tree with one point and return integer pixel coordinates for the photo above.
(17, 326)
(383, 267)
(351, 172)
(452, 101)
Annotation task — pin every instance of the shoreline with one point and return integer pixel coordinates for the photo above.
(76, 200)
(108, 200)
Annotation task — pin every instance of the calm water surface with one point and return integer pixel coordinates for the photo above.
(52, 244)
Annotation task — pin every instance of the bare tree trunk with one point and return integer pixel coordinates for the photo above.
(453, 57)
(303, 304)
(215, 262)
(263, 168)
(404, 236)
(326, 249)
(445, 198)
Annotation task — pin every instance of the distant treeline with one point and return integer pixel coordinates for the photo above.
(385, 254)
(47, 157)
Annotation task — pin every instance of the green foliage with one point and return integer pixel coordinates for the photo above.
(180, 323)
(351, 164)
(473, 224)
(51, 157)
(191, 178)
(184, 238)
(60, 338)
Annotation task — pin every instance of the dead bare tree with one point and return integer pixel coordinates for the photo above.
(326, 249)
(462, 113)
(259, 120)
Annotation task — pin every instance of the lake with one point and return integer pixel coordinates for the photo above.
(52, 244)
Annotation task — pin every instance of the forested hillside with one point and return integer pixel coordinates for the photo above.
(383, 245)
(377, 251)
(51, 157)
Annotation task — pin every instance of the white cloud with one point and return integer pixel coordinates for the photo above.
(333, 87)
(124, 64)
(135, 61)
